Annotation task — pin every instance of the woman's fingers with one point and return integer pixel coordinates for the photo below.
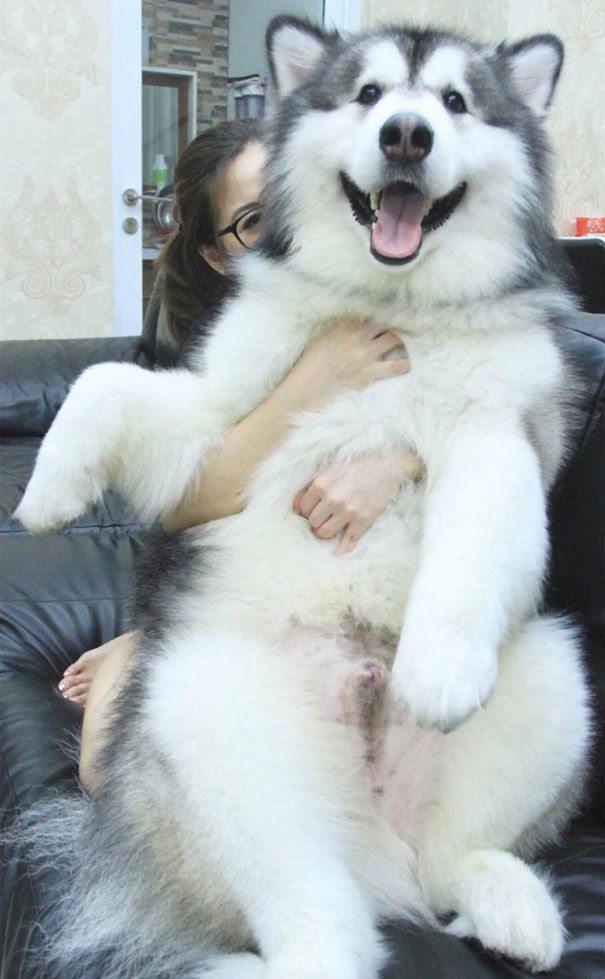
(372, 329)
(390, 368)
(296, 502)
(309, 499)
(350, 537)
(385, 342)
(331, 527)
(326, 517)
(320, 513)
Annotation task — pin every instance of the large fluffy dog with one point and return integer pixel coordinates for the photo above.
(281, 774)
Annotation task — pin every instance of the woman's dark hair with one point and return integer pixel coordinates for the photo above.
(191, 288)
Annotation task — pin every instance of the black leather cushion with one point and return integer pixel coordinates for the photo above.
(61, 594)
(577, 580)
(18, 456)
(36, 376)
(587, 259)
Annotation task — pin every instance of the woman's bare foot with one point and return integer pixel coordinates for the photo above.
(78, 677)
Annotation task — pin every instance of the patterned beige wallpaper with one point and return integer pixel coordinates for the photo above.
(55, 235)
(577, 121)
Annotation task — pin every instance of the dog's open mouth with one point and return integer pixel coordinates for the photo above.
(399, 216)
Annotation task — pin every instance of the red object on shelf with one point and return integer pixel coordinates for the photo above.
(590, 226)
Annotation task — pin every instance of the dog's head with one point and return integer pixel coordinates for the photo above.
(407, 139)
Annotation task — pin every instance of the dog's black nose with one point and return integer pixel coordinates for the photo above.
(406, 137)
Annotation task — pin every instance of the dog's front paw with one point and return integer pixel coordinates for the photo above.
(443, 678)
(55, 496)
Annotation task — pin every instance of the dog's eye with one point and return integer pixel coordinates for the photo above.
(454, 102)
(369, 95)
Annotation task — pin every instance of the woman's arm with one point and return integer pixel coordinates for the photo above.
(221, 491)
(350, 354)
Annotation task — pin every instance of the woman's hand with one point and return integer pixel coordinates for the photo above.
(347, 499)
(349, 354)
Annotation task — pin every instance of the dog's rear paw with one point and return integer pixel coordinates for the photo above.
(510, 910)
(244, 966)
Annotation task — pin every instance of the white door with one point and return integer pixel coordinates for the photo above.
(126, 154)
(344, 15)
(127, 142)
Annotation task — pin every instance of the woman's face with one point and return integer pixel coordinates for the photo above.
(241, 190)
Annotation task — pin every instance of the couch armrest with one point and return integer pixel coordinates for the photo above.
(577, 514)
(37, 374)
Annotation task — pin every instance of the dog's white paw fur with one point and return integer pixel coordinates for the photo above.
(509, 909)
(71, 467)
(244, 966)
(313, 964)
(55, 496)
(443, 678)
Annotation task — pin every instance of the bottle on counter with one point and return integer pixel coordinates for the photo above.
(159, 175)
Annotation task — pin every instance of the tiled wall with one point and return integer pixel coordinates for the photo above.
(577, 118)
(193, 34)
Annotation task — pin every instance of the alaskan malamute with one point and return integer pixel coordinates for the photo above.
(311, 744)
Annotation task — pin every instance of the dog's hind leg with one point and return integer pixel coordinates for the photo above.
(266, 799)
(511, 772)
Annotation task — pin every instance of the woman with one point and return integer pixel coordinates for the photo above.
(218, 187)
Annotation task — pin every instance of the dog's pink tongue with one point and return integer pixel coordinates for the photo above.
(398, 230)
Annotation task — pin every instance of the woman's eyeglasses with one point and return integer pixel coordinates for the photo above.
(246, 228)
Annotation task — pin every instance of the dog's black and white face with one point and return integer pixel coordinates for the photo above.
(407, 139)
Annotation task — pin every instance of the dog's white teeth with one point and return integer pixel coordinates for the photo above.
(374, 200)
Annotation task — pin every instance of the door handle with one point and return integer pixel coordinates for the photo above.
(130, 197)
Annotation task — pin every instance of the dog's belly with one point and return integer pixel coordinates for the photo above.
(349, 673)
(269, 570)
(339, 617)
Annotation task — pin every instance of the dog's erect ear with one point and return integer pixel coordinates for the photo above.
(293, 48)
(535, 65)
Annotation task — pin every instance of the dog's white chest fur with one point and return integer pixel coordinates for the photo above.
(460, 376)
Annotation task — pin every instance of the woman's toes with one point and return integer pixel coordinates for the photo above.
(88, 663)
(68, 682)
(81, 665)
(75, 691)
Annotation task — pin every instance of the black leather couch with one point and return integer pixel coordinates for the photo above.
(67, 592)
